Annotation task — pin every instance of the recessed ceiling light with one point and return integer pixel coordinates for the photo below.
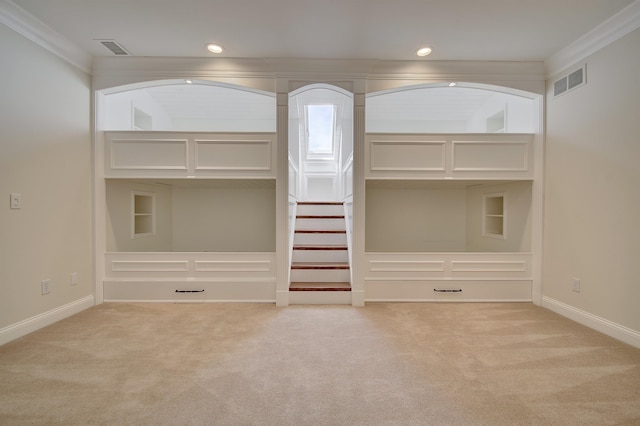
(424, 51)
(453, 83)
(214, 48)
(188, 81)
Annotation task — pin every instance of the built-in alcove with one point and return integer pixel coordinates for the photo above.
(143, 218)
(494, 215)
(447, 216)
(186, 215)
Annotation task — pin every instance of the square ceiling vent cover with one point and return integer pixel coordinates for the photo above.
(114, 47)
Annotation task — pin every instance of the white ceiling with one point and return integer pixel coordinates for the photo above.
(513, 30)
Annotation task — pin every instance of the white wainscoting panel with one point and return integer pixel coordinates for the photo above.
(238, 155)
(449, 156)
(147, 154)
(460, 276)
(186, 154)
(197, 276)
(406, 155)
(497, 156)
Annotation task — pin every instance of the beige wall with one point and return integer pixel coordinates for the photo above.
(119, 210)
(416, 219)
(517, 218)
(592, 199)
(45, 155)
(224, 219)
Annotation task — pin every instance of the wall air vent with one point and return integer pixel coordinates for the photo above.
(570, 81)
(114, 47)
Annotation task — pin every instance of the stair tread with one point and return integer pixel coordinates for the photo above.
(320, 203)
(320, 286)
(319, 216)
(319, 231)
(319, 265)
(320, 247)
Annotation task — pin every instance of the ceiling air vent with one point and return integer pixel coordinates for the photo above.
(570, 81)
(114, 47)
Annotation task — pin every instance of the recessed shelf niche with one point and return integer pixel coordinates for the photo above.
(494, 217)
(143, 217)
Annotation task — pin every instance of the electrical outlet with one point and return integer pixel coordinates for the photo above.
(576, 284)
(44, 286)
(74, 278)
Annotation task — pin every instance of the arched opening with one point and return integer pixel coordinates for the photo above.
(320, 193)
(451, 108)
(320, 143)
(187, 105)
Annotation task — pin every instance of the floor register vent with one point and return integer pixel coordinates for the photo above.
(570, 81)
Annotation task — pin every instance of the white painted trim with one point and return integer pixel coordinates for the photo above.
(25, 24)
(357, 298)
(22, 328)
(192, 301)
(441, 278)
(610, 328)
(616, 27)
(448, 301)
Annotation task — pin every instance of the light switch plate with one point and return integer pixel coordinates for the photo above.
(15, 201)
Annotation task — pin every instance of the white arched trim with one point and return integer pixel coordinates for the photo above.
(183, 81)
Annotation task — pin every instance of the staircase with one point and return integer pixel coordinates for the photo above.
(320, 272)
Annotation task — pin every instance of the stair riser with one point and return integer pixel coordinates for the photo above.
(339, 256)
(320, 224)
(320, 275)
(320, 298)
(320, 239)
(323, 210)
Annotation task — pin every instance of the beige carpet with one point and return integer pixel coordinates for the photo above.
(386, 364)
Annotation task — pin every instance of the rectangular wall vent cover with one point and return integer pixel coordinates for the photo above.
(115, 47)
(570, 81)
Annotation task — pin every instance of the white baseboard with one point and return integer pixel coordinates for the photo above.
(602, 325)
(22, 328)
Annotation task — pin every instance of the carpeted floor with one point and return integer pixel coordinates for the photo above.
(253, 364)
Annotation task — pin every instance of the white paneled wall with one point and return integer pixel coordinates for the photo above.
(167, 154)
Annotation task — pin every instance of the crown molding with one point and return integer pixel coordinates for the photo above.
(22, 22)
(614, 28)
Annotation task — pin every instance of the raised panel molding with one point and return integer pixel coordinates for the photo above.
(454, 156)
(241, 155)
(405, 155)
(144, 154)
(159, 154)
(499, 156)
(232, 266)
(406, 266)
(239, 277)
(149, 266)
(488, 266)
(432, 267)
